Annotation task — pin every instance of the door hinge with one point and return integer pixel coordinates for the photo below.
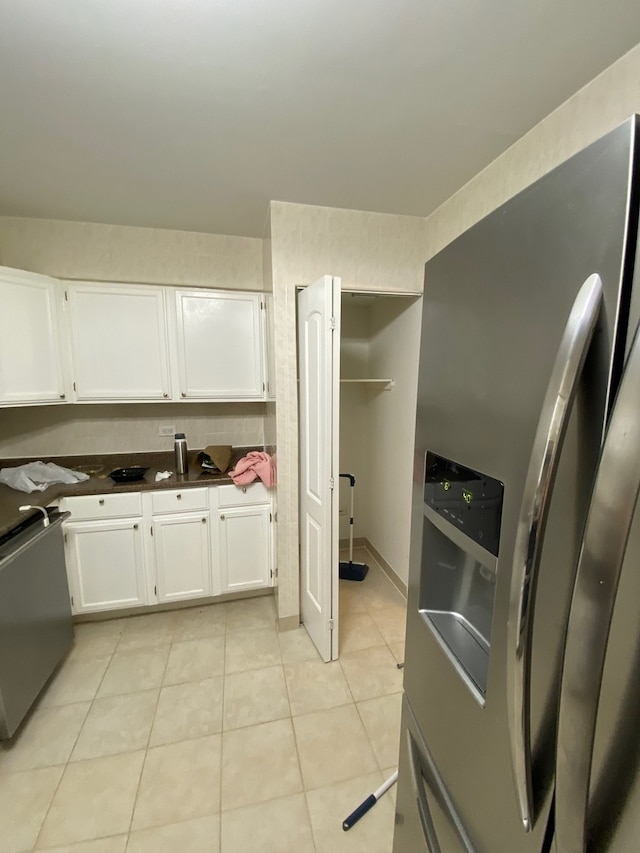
(331, 624)
(66, 538)
(151, 529)
(262, 305)
(332, 323)
(74, 387)
(66, 296)
(264, 387)
(332, 483)
(72, 602)
(270, 518)
(155, 590)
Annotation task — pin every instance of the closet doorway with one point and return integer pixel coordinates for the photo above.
(357, 365)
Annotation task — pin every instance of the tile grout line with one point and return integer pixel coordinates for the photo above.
(224, 679)
(295, 740)
(68, 761)
(146, 749)
(223, 729)
(304, 787)
(386, 644)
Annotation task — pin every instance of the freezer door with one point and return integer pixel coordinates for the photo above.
(598, 752)
(496, 306)
(426, 818)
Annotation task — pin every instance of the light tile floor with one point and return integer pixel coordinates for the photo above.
(206, 731)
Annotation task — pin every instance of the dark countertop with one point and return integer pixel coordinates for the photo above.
(101, 483)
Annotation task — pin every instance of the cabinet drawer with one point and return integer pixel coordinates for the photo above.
(103, 506)
(179, 500)
(254, 493)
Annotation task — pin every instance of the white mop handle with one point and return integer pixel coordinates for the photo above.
(386, 785)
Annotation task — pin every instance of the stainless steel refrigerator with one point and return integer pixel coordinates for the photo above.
(521, 707)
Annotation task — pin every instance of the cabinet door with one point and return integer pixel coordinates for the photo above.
(119, 342)
(182, 556)
(245, 548)
(270, 349)
(30, 353)
(105, 564)
(220, 345)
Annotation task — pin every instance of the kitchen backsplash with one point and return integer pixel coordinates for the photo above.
(126, 428)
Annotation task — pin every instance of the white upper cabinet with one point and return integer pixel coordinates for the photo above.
(119, 342)
(270, 349)
(31, 360)
(220, 349)
(103, 342)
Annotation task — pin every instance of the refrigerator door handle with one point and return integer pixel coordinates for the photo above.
(607, 530)
(543, 464)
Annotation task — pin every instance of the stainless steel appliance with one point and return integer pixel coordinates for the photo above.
(36, 628)
(521, 709)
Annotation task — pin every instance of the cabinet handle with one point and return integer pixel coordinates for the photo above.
(204, 520)
(165, 395)
(183, 394)
(179, 497)
(101, 501)
(222, 518)
(62, 396)
(135, 526)
(244, 490)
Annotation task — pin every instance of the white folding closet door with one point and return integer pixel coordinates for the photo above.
(319, 369)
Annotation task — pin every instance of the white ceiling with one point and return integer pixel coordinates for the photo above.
(193, 114)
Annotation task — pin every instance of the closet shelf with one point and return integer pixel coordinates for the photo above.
(388, 383)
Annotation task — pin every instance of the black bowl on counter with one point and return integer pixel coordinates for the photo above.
(128, 475)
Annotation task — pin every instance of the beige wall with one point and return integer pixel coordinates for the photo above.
(370, 252)
(354, 412)
(267, 281)
(126, 427)
(380, 340)
(84, 250)
(395, 346)
(593, 111)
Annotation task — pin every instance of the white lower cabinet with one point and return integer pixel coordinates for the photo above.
(182, 556)
(182, 544)
(105, 564)
(245, 551)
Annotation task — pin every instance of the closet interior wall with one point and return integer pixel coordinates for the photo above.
(380, 337)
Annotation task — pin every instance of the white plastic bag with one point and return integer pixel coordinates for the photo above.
(37, 476)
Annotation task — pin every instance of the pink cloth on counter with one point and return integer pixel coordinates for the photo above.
(255, 464)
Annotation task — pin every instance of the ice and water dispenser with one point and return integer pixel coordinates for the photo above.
(461, 532)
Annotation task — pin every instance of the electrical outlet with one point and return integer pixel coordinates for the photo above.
(167, 429)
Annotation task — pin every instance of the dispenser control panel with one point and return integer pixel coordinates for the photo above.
(466, 498)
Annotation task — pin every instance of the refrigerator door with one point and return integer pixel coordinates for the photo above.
(497, 302)
(598, 758)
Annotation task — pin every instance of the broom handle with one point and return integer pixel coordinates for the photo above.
(352, 486)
